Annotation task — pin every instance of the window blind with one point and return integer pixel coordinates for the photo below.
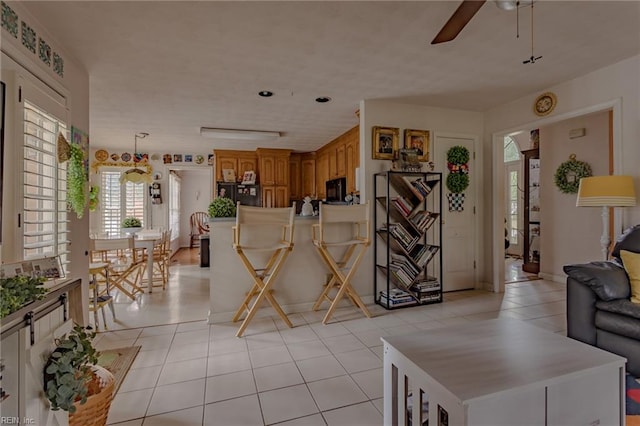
(174, 205)
(119, 201)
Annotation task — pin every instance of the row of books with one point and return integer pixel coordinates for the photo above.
(402, 236)
(423, 220)
(422, 254)
(420, 187)
(427, 284)
(403, 205)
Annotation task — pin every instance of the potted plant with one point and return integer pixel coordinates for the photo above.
(18, 291)
(131, 225)
(222, 207)
(74, 382)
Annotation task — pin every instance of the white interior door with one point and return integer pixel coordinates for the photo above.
(458, 228)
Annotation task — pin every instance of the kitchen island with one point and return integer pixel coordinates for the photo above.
(297, 286)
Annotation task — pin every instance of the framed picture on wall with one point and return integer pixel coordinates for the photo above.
(384, 142)
(418, 140)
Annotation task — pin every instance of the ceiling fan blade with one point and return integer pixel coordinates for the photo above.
(458, 20)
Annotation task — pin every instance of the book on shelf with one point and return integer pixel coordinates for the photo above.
(420, 187)
(396, 297)
(403, 261)
(402, 236)
(423, 220)
(422, 254)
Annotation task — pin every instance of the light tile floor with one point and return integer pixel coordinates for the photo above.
(192, 373)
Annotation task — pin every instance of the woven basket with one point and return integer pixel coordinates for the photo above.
(94, 412)
(63, 149)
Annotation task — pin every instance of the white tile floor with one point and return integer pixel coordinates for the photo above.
(192, 373)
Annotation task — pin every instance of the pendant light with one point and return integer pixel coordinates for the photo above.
(136, 175)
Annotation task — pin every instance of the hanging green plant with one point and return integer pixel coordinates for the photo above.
(568, 175)
(76, 181)
(457, 182)
(458, 155)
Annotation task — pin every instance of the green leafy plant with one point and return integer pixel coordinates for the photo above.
(458, 155)
(68, 371)
(131, 222)
(457, 182)
(222, 207)
(15, 292)
(76, 181)
(93, 198)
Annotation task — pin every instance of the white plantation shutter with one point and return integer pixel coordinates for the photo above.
(174, 205)
(44, 219)
(119, 201)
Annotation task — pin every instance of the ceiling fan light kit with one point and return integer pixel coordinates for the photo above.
(252, 135)
(136, 175)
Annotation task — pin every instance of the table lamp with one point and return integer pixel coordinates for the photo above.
(605, 192)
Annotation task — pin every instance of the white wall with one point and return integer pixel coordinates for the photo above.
(194, 197)
(440, 121)
(570, 234)
(618, 85)
(74, 86)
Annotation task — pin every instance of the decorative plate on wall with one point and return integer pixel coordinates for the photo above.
(115, 157)
(125, 156)
(199, 159)
(102, 155)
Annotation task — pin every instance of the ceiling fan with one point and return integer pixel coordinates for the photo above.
(466, 11)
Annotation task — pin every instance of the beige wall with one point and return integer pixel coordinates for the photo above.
(570, 234)
(617, 85)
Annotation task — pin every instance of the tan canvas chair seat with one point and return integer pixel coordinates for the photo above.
(100, 295)
(267, 230)
(345, 227)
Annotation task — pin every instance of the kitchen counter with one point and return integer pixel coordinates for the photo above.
(297, 286)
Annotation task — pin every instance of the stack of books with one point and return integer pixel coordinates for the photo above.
(396, 297)
(403, 270)
(423, 220)
(427, 289)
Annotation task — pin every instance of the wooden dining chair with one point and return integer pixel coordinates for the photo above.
(100, 292)
(199, 225)
(341, 237)
(269, 231)
(126, 263)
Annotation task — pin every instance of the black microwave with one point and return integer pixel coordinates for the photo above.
(336, 189)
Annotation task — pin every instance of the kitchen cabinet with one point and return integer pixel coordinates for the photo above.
(275, 196)
(333, 162)
(341, 160)
(322, 174)
(308, 174)
(274, 166)
(295, 177)
(239, 161)
(351, 163)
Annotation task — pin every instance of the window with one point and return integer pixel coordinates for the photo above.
(174, 205)
(511, 151)
(119, 201)
(512, 173)
(44, 219)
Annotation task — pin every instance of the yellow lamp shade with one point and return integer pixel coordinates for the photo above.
(607, 191)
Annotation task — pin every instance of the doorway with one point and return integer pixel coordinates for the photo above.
(559, 216)
(190, 191)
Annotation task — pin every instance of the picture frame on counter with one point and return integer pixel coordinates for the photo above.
(385, 141)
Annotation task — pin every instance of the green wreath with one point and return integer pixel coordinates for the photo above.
(568, 175)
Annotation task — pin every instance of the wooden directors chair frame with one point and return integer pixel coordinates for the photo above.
(262, 230)
(329, 233)
(125, 263)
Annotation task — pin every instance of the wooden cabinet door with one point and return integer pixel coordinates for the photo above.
(341, 160)
(247, 164)
(225, 163)
(350, 165)
(308, 178)
(268, 196)
(267, 171)
(295, 177)
(282, 196)
(333, 166)
(281, 170)
(322, 175)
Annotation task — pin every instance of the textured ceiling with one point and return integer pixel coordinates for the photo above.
(168, 68)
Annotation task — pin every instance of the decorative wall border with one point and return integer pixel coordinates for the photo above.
(30, 41)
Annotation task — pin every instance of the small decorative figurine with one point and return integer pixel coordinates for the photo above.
(307, 207)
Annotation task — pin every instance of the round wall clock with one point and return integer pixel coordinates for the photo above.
(544, 104)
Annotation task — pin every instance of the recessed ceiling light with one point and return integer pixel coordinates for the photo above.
(265, 93)
(323, 99)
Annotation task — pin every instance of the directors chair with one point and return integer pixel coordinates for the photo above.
(266, 233)
(125, 263)
(347, 228)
